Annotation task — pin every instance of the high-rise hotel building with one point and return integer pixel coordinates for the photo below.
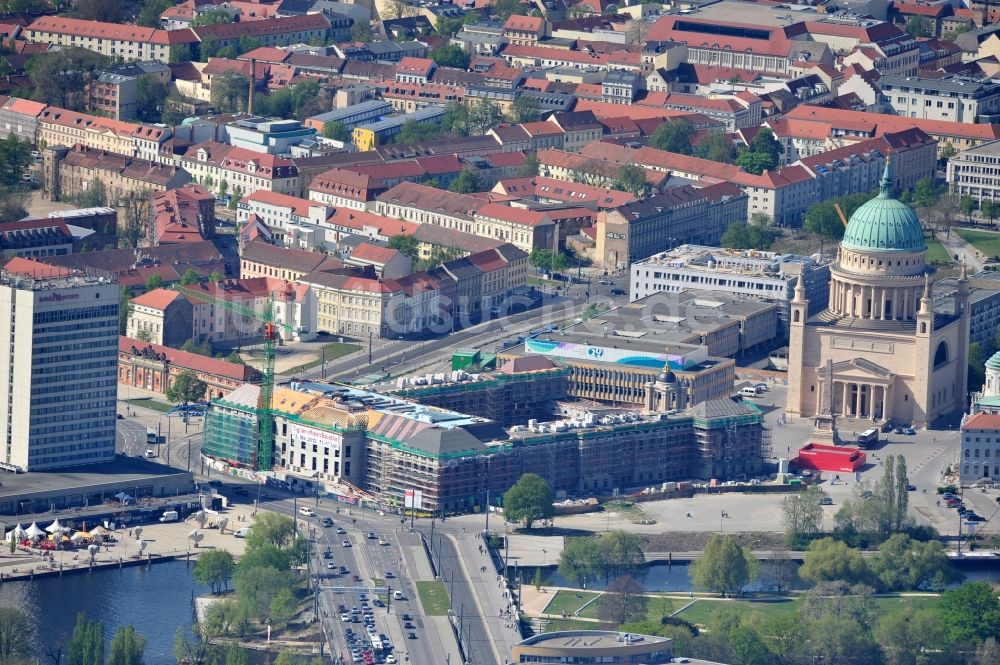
(59, 351)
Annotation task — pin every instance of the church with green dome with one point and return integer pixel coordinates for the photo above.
(879, 353)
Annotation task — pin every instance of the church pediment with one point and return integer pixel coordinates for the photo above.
(859, 368)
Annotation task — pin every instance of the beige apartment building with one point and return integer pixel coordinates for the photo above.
(117, 41)
(422, 204)
(57, 126)
(356, 305)
(244, 171)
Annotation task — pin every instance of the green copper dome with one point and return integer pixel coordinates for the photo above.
(884, 224)
(994, 361)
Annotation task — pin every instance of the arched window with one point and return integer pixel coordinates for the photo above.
(795, 316)
(923, 328)
(941, 355)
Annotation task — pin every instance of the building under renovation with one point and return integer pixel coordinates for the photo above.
(329, 434)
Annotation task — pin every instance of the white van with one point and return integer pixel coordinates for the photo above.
(397, 595)
(307, 512)
(169, 516)
(748, 391)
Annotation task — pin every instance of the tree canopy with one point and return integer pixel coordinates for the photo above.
(528, 500)
(724, 567)
(186, 388)
(673, 136)
(451, 55)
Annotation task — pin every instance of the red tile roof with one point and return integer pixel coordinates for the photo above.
(298, 206)
(24, 107)
(116, 31)
(520, 216)
(880, 123)
(192, 361)
(35, 269)
(989, 421)
(157, 299)
(370, 253)
(524, 23)
(273, 26)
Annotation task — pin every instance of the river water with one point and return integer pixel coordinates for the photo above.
(156, 600)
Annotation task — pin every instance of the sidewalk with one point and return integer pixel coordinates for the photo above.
(417, 567)
(491, 596)
(956, 245)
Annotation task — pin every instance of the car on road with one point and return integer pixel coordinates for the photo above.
(909, 431)
(972, 517)
(390, 659)
(341, 530)
(355, 578)
(119, 416)
(411, 636)
(326, 522)
(378, 603)
(362, 597)
(617, 292)
(150, 452)
(307, 512)
(345, 617)
(242, 532)
(826, 501)
(898, 430)
(215, 483)
(408, 625)
(389, 575)
(406, 617)
(346, 543)
(910, 487)
(371, 535)
(383, 542)
(331, 566)
(866, 495)
(267, 496)
(606, 282)
(327, 554)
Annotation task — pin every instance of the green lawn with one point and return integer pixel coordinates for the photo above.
(433, 598)
(986, 242)
(150, 403)
(656, 609)
(554, 625)
(333, 351)
(936, 253)
(569, 602)
(701, 611)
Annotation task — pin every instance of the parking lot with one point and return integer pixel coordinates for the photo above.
(928, 455)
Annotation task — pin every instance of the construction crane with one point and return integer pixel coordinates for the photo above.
(265, 450)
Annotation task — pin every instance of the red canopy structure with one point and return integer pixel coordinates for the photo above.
(819, 457)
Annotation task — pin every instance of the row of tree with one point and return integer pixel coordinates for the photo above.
(837, 622)
(85, 646)
(678, 136)
(869, 518)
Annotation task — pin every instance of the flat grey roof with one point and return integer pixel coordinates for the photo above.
(123, 471)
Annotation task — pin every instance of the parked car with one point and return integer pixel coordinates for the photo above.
(346, 543)
(909, 431)
(826, 501)
(898, 430)
(411, 636)
(242, 532)
(617, 292)
(910, 487)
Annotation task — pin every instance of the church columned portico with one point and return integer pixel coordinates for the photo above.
(891, 358)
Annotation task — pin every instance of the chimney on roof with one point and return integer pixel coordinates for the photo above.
(253, 77)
